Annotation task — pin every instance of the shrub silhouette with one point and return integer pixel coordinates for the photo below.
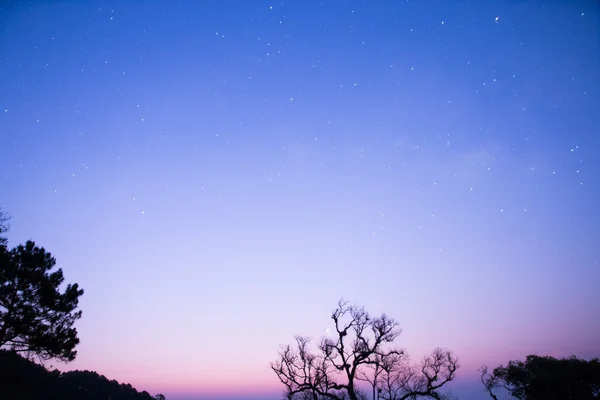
(546, 378)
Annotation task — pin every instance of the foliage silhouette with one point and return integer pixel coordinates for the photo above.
(35, 317)
(3, 227)
(546, 378)
(22, 379)
(359, 352)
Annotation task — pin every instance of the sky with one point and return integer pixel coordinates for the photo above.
(216, 175)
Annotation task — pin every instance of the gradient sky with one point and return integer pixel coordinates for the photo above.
(217, 174)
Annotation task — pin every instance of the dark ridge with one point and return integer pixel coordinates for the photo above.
(22, 379)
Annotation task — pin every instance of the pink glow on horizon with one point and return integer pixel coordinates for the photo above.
(186, 380)
(223, 380)
(211, 375)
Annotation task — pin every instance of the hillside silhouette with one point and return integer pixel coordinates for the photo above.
(22, 379)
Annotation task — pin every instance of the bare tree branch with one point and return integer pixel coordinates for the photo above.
(490, 381)
(360, 351)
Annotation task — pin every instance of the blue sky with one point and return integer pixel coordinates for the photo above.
(216, 175)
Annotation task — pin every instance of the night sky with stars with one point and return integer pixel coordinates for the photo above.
(218, 174)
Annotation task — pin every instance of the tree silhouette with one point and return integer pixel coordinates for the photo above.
(546, 378)
(159, 397)
(359, 351)
(3, 227)
(489, 381)
(35, 317)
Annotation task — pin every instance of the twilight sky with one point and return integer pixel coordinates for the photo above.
(217, 174)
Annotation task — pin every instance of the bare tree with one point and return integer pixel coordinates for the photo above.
(360, 351)
(490, 381)
(404, 381)
(373, 376)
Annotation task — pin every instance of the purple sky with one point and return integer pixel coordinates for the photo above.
(218, 174)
